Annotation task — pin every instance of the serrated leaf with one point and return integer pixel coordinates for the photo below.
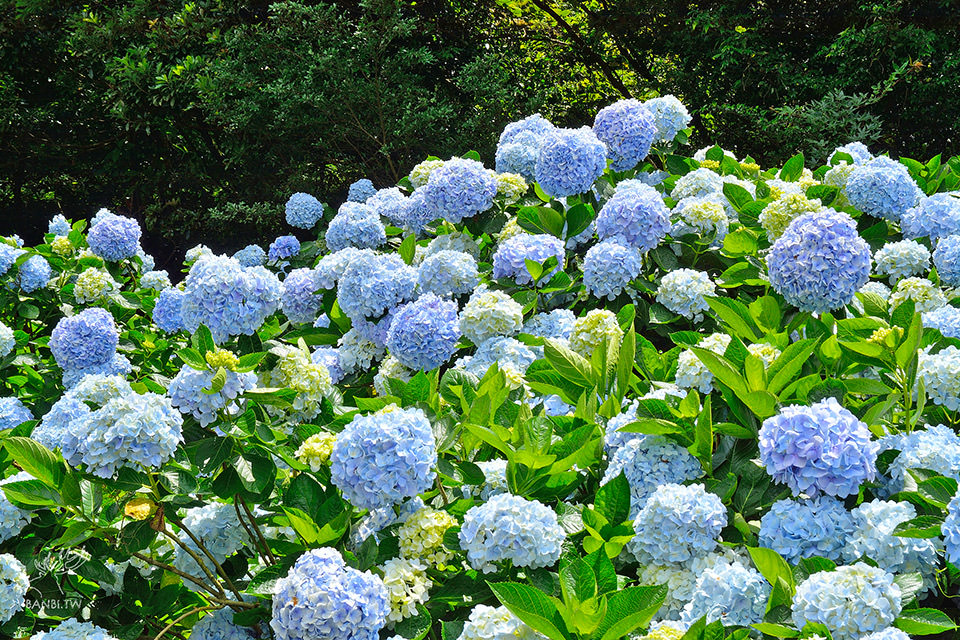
(532, 607)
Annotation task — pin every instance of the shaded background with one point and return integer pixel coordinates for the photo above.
(200, 118)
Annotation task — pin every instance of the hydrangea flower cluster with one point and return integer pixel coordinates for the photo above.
(677, 523)
(34, 274)
(925, 295)
(637, 215)
(382, 458)
(13, 412)
(569, 161)
(819, 262)
(777, 216)
(934, 217)
(12, 518)
(93, 285)
(946, 258)
(798, 529)
(283, 247)
(490, 313)
(508, 527)
(856, 150)
(297, 370)
(650, 461)
(902, 259)
(321, 597)
(628, 129)
(691, 372)
(851, 601)
(14, 583)
(556, 324)
(59, 225)
(951, 531)
(85, 340)
(315, 450)
(421, 536)
(186, 392)
(936, 448)
(818, 449)
(114, 238)
(361, 190)
(156, 280)
(298, 298)
(407, 585)
(8, 256)
(355, 225)
(420, 174)
(251, 255)
(496, 623)
(520, 143)
(423, 334)
(940, 373)
(215, 525)
(882, 188)
(670, 117)
(448, 273)
(704, 216)
(730, 593)
(684, 292)
(591, 330)
(373, 284)
(303, 211)
(509, 261)
(696, 184)
(609, 267)
(219, 625)
(389, 203)
(945, 319)
(460, 189)
(167, 310)
(73, 629)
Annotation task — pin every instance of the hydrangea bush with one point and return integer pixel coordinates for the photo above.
(597, 387)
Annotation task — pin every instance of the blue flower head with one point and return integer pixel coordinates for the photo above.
(730, 593)
(423, 334)
(186, 392)
(8, 255)
(627, 128)
(219, 625)
(557, 324)
(637, 215)
(946, 258)
(856, 150)
(882, 188)
(798, 529)
(85, 340)
(34, 274)
(935, 217)
(951, 531)
(299, 300)
(284, 247)
(818, 449)
(649, 461)
(677, 523)
(569, 162)
(850, 601)
(936, 448)
(114, 238)
(609, 267)
(59, 226)
(389, 203)
(13, 413)
(819, 262)
(71, 629)
(510, 259)
(670, 117)
(118, 365)
(520, 155)
(360, 190)
(251, 255)
(373, 284)
(448, 272)
(321, 597)
(303, 211)
(946, 319)
(166, 310)
(383, 458)
(508, 527)
(460, 189)
(355, 225)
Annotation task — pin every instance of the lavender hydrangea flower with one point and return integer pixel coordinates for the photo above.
(460, 189)
(298, 300)
(882, 188)
(34, 274)
(818, 449)
(167, 310)
(114, 238)
(186, 392)
(373, 284)
(934, 217)
(946, 258)
(627, 128)
(303, 211)
(670, 117)
(609, 267)
(330, 358)
(423, 334)
(648, 462)
(510, 259)
(361, 190)
(355, 225)
(851, 601)
(448, 273)
(820, 262)
(87, 339)
(638, 216)
(730, 593)
(389, 203)
(798, 529)
(59, 226)
(321, 597)
(13, 413)
(219, 625)
(251, 255)
(508, 527)
(569, 161)
(677, 523)
(284, 247)
(8, 256)
(382, 458)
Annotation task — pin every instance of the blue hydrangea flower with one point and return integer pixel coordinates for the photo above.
(303, 211)
(59, 226)
(448, 273)
(697, 184)
(383, 458)
(936, 448)
(637, 215)
(882, 188)
(118, 365)
(490, 313)
(330, 358)
(360, 190)
(684, 292)
(186, 392)
(508, 527)
(251, 255)
(14, 584)
(355, 225)
(509, 261)
(507, 353)
(321, 597)
(166, 310)
(890, 633)
(34, 274)
(331, 266)
(489, 623)
(935, 217)
(229, 299)
(147, 263)
(798, 529)
(298, 300)
(670, 117)
(375, 330)
(519, 155)
(851, 601)
(373, 284)
(114, 238)
(8, 255)
(945, 319)
(609, 267)
(677, 523)
(649, 461)
(820, 262)
(391, 204)
(460, 189)
(284, 247)
(730, 593)
(423, 334)
(627, 128)
(13, 412)
(818, 449)
(556, 324)
(217, 528)
(416, 213)
(12, 518)
(856, 150)
(613, 438)
(73, 629)
(951, 531)
(873, 537)
(535, 124)
(940, 373)
(946, 258)
(87, 339)
(219, 626)
(569, 162)
(903, 259)
(157, 280)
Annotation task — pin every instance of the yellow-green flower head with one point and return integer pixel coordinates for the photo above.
(750, 167)
(92, 285)
(390, 368)
(421, 536)
(926, 295)
(222, 358)
(510, 228)
(777, 216)
(665, 631)
(511, 186)
(407, 584)
(61, 246)
(767, 353)
(590, 331)
(879, 335)
(303, 375)
(421, 173)
(837, 177)
(806, 179)
(710, 164)
(315, 450)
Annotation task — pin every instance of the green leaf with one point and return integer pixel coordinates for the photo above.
(193, 358)
(603, 570)
(38, 461)
(740, 243)
(736, 315)
(737, 195)
(541, 220)
(579, 217)
(532, 607)
(578, 583)
(630, 609)
(919, 527)
(202, 340)
(772, 566)
(216, 384)
(415, 627)
(785, 368)
(824, 192)
(33, 493)
(408, 248)
(702, 447)
(776, 630)
(628, 351)
(792, 168)
(569, 364)
(938, 490)
(303, 524)
(613, 499)
(924, 622)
